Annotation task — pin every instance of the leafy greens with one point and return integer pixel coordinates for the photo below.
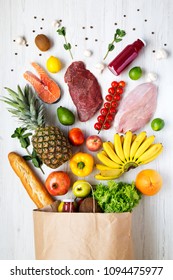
(117, 196)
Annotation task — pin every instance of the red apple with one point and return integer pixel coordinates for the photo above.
(57, 183)
(93, 143)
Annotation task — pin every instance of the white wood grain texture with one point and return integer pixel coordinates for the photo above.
(152, 219)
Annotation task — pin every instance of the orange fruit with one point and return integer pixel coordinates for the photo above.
(148, 182)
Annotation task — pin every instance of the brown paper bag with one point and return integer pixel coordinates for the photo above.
(82, 236)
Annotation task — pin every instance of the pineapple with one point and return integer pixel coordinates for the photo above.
(49, 142)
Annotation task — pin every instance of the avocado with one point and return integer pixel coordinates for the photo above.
(65, 116)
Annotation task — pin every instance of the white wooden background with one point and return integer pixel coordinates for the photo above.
(151, 20)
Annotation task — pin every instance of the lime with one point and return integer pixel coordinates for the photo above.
(157, 124)
(135, 73)
(53, 64)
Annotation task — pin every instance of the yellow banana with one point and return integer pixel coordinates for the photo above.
(104, 153)
(127, 144)
(144, 146)
(100, 177)
(112, 155)
(150, 154)
(122, 139)
(109, 173)
(111, 145)
(136, 143)
(108, 162)
(103, 167)
(118, 147)
(133, 137)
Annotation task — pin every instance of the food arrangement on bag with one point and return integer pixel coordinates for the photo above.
(87, 157)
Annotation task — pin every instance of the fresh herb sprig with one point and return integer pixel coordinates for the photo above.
(67, 46)
(25, 142)
(119, 34)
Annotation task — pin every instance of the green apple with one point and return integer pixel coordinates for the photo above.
(81, 188)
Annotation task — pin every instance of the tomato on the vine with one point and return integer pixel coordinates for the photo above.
(119, 90)
(104, 111)
(109, 97)
(112, 110)
(101, 118)
(98, 126)
(107, 105)
(109, 117)
(117, 97)
(106, 125)
(111, 90)
(122, 84)
(114, 104)
(114, 84)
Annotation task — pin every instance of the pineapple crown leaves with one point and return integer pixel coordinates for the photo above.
(26, 107)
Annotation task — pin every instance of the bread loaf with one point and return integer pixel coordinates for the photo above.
(34, 187)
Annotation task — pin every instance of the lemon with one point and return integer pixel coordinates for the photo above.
(157, 124)
(53, 64)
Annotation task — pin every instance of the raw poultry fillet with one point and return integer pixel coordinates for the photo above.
(137, 108)
(84, 90)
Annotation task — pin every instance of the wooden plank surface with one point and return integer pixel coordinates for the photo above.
(97, 21)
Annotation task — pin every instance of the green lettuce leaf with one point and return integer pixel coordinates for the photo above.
(117, 196)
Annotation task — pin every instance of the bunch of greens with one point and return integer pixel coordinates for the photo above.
(117, 196)
(119, 34)
(23, 136)
(67, 46)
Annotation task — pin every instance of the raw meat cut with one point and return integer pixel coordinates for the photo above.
(84, 90)
(137, 108)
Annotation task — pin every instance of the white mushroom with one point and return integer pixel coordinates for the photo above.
(100, 67)
(87, 53)
(151, 77)
(56, 23)
(20, 41)
(161, 54)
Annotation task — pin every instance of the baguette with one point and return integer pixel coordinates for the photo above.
(34, 187)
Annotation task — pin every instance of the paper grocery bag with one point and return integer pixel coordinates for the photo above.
(82, 236)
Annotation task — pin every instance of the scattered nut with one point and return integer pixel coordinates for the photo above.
(161, 54)
(151, 77)
(56, 23)
(20, 40)
(42, 42)
(87, 53)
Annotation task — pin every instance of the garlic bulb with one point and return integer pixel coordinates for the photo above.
(87, 53)
(20, 41)
(56, 23)
(100, 67)
(161, 54)
(151, 77)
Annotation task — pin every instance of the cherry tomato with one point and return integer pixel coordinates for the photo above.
(114, 104)
(112, 110)
(107, 105)
(109, 118)
(122, 84)
(111, 90)
(76, 136)
(109, 97)
(98, 126)
(104, 111)
(101, 118)
(114, 84)
(106, 125)
(117, 97)
(119, 90)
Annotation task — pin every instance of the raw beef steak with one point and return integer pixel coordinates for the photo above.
(84, 90)
(137, 108)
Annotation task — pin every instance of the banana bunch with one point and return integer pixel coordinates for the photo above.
(128, 151)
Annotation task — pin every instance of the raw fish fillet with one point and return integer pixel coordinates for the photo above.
(46, 88)
(137, 108)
